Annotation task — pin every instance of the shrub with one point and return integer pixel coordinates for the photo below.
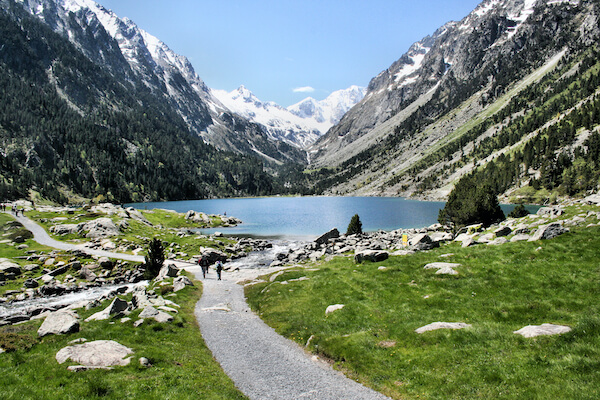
(518, 212)
(355, 226)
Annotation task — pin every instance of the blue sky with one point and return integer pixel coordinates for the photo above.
(284, 51)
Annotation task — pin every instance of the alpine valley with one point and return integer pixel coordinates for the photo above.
(94, 107)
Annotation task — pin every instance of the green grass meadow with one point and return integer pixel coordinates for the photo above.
(499, 289)
(182, 365)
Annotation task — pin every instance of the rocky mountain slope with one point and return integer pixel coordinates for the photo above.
(415, 130)
(78, 117)
(130, 53)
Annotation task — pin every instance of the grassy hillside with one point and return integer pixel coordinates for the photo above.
(499, 289)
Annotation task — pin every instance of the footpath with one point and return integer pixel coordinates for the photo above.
(262, 364)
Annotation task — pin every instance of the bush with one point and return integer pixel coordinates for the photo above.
(470, 203)
(355, 226)
(154, 259)
(518, 212)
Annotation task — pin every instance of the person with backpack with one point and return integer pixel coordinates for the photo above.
(219, 268)
(203, 262)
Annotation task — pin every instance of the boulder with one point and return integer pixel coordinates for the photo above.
(116, 307)
(105, 263)
(65, 229)
(502, 231)
(545, 329)
(422, 242)
(167, 271)
(333, 308)
(551, 212)
(59, 271)
(593, 199)
(59, 323)
(214, 255)
(9, 267)
(520, 237)
(30, 284)
(371, 255)
(324, 238)
(87, 274)
(442, 325)
(498, 241)
(549, 231)
(469, 241)
(180, 282)
(100, 353)
(158, 316)
(137, 215)
(197, 217)
(443, 268)
(100, 228)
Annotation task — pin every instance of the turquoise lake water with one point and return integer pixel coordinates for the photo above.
(308, 217)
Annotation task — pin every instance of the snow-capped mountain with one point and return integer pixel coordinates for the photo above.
(134, 55)
(399, 139)
(300, 124)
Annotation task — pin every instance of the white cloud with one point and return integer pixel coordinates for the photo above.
(304, 89)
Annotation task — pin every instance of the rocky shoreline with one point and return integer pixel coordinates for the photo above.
(373, 246)
(378, 246)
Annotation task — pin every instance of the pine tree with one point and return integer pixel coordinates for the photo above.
(154, 259)
(355, 226)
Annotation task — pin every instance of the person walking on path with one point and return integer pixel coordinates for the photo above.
(219, 268)
(203, 261)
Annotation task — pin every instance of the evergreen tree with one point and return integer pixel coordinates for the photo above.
(154, 259)
(355, 226)
(470, 203)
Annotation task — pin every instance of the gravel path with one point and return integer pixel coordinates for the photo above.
(262, 364)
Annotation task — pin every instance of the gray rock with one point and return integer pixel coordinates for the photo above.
(498, 241)
(180, 282)
(469, 241)
(105, 263)
(423, 242)
(58, 271)
(31, 283)
(158, 316)
(324, 238)
(100, 353)
(116, 307)
(551, 212)
(442, 325)
(59, 323)
(167, 271)
(593, 199)
(549, 231)
(333, 308)
(443, 268)
(87, 274)
(371, 255)
(214, 255)
(530, 331)
(144, 362)
(503, 231)
(520, 237)
(9, 267)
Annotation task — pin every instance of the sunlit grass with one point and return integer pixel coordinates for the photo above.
(499, 289)
(182, 365)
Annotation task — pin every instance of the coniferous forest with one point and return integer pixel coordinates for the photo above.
(113, 140)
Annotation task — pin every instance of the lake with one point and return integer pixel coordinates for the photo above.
(305, 218)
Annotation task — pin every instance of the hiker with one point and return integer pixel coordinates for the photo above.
(219, 268)
(203, 262)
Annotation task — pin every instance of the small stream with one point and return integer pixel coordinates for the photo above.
(256, 259)
(26, 306)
